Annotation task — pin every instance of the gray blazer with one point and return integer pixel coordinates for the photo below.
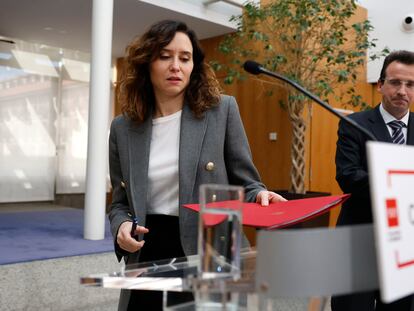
(218, 137)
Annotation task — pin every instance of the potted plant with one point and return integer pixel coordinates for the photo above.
(314, 43)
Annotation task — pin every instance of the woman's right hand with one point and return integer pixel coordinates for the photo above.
(126, 241)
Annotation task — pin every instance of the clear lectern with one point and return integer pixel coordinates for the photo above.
(299, 263)
(294, 263)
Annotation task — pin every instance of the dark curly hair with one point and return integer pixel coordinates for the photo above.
(135, 91)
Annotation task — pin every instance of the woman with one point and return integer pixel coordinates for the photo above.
(176, 133)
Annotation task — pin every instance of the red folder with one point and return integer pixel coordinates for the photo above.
(280, 214)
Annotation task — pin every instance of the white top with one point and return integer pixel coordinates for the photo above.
(163, 165)
(388, 118)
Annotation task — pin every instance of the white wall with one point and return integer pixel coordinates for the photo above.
(218, 12)
(387, 17)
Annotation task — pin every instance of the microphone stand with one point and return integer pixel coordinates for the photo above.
(318, 100)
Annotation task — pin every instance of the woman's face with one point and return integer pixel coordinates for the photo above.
(170, 72)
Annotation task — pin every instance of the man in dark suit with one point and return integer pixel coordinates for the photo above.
(391, 121)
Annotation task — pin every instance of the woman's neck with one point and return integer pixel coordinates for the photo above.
(165, 107)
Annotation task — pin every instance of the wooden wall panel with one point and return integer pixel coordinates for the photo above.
(261, 114)
(324, 127)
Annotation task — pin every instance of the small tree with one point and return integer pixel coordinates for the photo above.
(309, 41)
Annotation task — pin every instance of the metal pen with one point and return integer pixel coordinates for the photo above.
(134, 227)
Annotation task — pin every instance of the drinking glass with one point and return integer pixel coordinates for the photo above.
(220, 231)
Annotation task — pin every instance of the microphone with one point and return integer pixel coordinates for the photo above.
(255, 69)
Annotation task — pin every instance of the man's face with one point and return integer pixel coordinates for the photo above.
(398, 89)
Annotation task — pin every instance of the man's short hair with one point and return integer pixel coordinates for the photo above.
(402, 56)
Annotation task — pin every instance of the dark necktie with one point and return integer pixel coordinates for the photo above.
(397, 133)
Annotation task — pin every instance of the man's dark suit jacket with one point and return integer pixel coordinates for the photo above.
(351, 163)
(352, 177)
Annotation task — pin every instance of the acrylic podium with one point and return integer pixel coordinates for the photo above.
(316, 262)
(287, 263)
(180, 274)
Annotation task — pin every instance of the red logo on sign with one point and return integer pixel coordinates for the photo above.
(392, 214)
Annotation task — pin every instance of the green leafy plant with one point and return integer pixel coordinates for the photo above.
(312, 42)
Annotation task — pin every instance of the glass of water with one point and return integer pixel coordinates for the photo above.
(220, 231)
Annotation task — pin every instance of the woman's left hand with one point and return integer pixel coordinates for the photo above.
(264, 197)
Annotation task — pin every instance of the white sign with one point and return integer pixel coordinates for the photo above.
(391, 177)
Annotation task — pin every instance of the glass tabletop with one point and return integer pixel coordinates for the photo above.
(175, 274)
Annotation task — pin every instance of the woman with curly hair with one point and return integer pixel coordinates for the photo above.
(176, 133)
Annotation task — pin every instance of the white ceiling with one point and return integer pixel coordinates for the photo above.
(67, 23)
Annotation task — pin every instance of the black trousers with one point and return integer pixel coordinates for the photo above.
(161, 242)
(370, 301)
